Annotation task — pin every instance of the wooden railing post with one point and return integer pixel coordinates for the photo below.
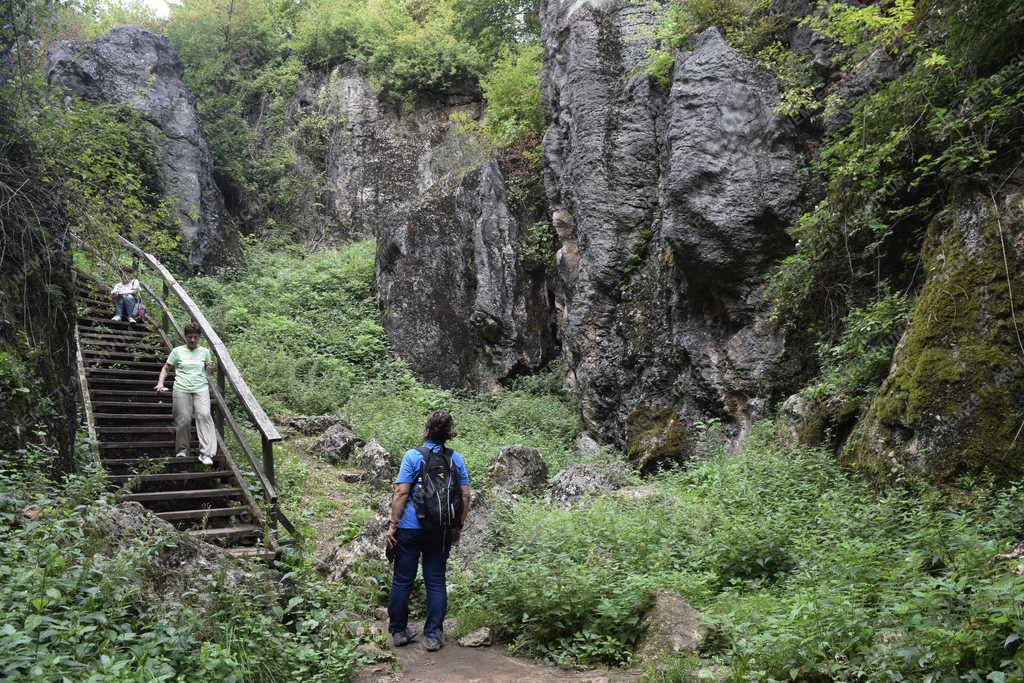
(164, 321)
(268, 460)
(218, 416)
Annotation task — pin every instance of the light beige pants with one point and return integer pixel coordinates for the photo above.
(185, 406)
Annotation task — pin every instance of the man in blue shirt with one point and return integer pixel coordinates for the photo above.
(411, 541)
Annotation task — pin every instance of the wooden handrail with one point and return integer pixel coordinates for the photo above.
(252, 407)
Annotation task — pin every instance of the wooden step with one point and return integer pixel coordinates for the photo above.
(258, 554)
(180, 515)
(143, 429)
(126, 382)
(148, 349)
(239, 531)
(148, 365)
(145, 400)
(86, 319)
(169, 476)
(105, 354)
(133, 416)
(132, 462)
(182, 495)
(102, 331)
(134, 445)
(125, 372)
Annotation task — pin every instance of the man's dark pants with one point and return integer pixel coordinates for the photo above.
(414, 544)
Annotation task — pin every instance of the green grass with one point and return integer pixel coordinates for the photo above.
(802, 570)
(305, 332)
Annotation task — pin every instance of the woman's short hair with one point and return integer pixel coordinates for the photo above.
(440, 427)
(193, 328)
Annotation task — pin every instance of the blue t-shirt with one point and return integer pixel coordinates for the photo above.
(409, 473)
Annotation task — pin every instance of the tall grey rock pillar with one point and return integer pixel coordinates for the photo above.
(132, 66)
(672, 209)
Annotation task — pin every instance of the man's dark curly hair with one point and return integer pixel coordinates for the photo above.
(440, 427)
(192, 328)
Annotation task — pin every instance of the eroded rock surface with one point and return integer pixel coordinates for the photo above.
(517, 468)
(582, 481)
(377, 464)
(674, 628)
(459, 303)
(132, 66)
(671, 209)
(336, 444)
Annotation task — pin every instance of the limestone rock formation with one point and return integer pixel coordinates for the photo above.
(671, 208)
(377, 463)
(336, 444)
(132, 66)
(953, 400)
(581, 481)
(459, 304)
(311, 425)
(517, 468)
(674, 628)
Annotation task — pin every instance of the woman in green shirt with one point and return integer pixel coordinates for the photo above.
(191, 395)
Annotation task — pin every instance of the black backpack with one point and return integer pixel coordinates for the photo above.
(438, 498)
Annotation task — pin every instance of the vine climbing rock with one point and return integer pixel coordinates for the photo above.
(142, 70)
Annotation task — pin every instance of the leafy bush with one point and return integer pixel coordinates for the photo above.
(74, 609)
(512, 92)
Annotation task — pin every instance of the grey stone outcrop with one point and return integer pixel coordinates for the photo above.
(517, 468)
(674, 628)
(336, 444)
(459, 304)
(377, 464)
(581, 481)
(671, 208)
(134, 67)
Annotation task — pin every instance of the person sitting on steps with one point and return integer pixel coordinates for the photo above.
(428, 508)
(191, 396)
(125, 295)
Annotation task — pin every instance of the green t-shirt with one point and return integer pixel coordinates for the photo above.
(189, 368)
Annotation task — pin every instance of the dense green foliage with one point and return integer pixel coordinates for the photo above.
(801, 570)
(75, 607)
(304, 330)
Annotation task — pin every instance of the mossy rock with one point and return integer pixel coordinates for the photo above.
(656, 434)
(954, 398)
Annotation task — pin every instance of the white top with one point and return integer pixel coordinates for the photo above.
(125, 288)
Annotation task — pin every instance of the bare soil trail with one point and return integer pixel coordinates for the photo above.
(455, 664)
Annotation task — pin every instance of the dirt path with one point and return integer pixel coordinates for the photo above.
(455, 664)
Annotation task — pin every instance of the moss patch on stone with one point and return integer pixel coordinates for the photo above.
(954, 398)
(655, 434)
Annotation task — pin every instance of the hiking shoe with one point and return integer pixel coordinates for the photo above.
(205, 459)
(181, 454)
(131, 320)
(433, 642)
(403, 637)
(116, 318)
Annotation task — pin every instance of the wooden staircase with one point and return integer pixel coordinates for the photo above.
(132, 426)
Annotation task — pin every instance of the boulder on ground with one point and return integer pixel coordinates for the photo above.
(336, 444)
(478, 638)
(585, 445)
(517, 468)
(311, 425)
(674, 627)
(377, 463)
(368, 545)
(581, 481)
